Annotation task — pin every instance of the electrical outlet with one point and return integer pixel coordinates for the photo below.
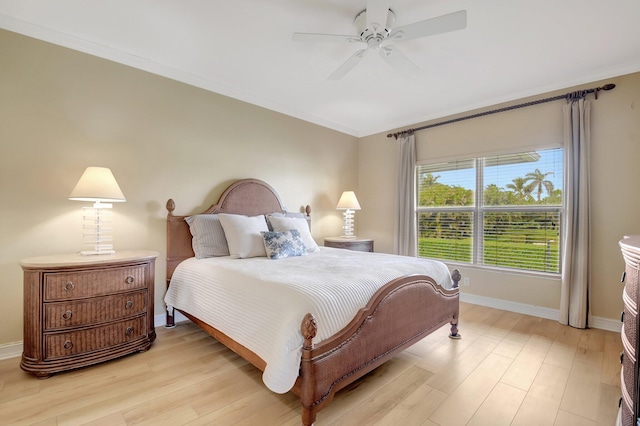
(465, 281)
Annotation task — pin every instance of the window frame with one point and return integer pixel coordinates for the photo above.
(478, 210)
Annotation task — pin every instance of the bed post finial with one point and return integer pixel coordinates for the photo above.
(307, 210)
(456, 276)
(309, 330)
(171, 206)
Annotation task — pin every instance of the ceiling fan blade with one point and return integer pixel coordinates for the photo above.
(398, 61)
(325, 37)
(377, 14)
(348, 65)
(441, 24)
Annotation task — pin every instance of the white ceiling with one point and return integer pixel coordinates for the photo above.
(243, 49)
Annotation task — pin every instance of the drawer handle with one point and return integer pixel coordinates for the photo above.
(129, 279)
(68, 345)
(129, 304)
(624, 275)
(622, 316)
(69, 286)
(621, 357)
(128, 331)
(67, 315)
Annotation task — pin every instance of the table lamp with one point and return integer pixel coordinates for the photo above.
(98, 185)
(348, 202)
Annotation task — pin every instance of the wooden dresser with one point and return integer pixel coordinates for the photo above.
(81, 310)
(629, 407)
(355, 243)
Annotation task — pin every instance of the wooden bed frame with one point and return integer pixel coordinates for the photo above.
(394, 319)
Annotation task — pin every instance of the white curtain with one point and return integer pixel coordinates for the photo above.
(405, 235)
(576, 279)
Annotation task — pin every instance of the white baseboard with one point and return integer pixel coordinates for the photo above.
(10, 350)
(536, 311)
(161, 320)
(606, 324)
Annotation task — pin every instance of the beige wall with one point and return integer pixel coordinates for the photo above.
(614, 177)
(61, 111)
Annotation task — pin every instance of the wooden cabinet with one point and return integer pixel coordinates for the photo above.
(81, 310)
(357, 244)
(630, 385)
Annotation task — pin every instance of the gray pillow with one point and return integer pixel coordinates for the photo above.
(284, 214)
(208, 236)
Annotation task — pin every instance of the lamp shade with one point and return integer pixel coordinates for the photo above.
(348, 201)
(97, 184)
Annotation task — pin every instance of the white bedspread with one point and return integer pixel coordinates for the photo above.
(260, 303)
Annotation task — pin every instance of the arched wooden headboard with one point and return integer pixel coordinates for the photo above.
(250, 197)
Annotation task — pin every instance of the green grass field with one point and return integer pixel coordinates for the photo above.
(499, 252)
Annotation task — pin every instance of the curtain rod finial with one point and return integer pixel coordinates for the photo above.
(608, 86)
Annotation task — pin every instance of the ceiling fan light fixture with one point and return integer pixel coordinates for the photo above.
(376, 36)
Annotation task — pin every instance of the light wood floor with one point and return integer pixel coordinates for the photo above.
(508, 369)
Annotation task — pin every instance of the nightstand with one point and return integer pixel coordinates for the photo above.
(356, 243)
(82, 310)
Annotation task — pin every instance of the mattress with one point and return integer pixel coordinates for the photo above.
(260, 303)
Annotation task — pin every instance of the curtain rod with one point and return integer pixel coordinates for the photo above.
(572, 95)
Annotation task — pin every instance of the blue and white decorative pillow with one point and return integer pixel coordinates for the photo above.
(283, 244)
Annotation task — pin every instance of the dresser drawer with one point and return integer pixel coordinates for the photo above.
(629, 329)
(626, 415)
(65, 344)
(626, 401)
(60, 315)
(627, 372)
(627, 377)
(77, 285)
(631, 286)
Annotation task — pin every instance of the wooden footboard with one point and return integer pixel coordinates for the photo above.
(374, 336)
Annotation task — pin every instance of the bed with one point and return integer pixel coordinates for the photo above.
(332, 347)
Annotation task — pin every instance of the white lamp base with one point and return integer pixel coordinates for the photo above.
(96, 234)
(349, 221)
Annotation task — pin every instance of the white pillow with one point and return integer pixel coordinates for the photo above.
(243, 234)
(208, 236)
(282, 224)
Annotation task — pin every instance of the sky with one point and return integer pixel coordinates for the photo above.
(549, 161)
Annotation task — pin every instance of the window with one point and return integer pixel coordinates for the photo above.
(501, 211)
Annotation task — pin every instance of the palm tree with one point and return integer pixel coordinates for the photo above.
(428, 179)
(536, 181)
(519, 187)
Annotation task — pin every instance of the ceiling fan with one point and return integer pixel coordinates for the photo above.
(375, 26)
